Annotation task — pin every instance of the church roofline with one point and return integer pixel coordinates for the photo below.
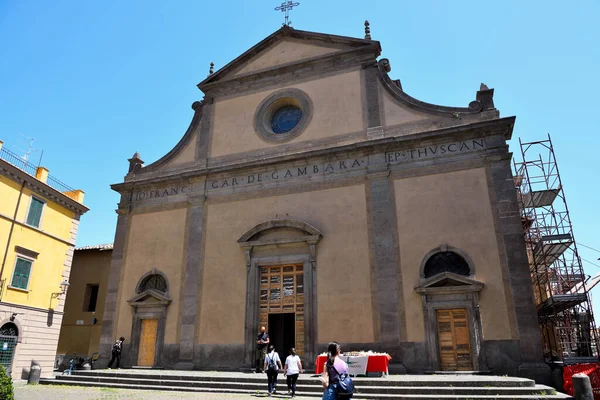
(483, 103)
(285, 31)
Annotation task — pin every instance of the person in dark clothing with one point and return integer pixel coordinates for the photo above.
(262, 342)
(116, 352)
(272, 366)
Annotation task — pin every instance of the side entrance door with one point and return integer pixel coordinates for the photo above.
(454, 340)
(147, 343)
(7, 352)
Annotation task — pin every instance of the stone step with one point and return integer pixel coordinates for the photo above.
(313, 386)
(366, 396)
(394, 380)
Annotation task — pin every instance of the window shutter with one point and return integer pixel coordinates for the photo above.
(35, 212)
(21, 274)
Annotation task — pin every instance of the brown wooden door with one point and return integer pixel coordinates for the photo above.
(282, 292)
(147, 343)
(454, 340)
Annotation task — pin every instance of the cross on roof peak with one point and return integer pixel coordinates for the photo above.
(285, 7)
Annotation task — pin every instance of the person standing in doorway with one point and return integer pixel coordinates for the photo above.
(291, 370)
(262, 342)
(272, 366)
(116, 352)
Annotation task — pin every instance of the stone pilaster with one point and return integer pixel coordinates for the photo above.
(194, 265)
(110, 306)
(371, 103)
(385, 255)
(511, 238)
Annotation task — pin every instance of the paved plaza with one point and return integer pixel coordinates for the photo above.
(51, 392)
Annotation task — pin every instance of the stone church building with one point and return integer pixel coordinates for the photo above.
(312, 195)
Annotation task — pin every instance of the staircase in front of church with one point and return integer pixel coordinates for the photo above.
(401, 387)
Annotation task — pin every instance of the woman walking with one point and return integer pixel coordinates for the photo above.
(272, 366)
(333, 369)
(293, 367)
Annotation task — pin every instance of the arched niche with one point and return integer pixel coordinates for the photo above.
(445, 248)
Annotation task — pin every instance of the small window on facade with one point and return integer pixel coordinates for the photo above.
(35, 212)
(21, 274)
(446, 261)
(154, 281)
(91, 297)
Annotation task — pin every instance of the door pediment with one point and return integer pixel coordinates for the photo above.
(448, 282)
(149, 298)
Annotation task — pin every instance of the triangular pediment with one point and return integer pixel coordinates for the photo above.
(286, 46)
(449, 282)
(149, 298)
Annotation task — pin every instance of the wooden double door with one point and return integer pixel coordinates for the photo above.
(454, 340)
(281, 307)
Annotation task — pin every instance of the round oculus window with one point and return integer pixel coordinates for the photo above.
(285, 119)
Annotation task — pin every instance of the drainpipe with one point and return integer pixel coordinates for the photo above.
(12, 227)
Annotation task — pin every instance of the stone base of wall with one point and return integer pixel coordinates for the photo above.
(502, 357)
(38, 338)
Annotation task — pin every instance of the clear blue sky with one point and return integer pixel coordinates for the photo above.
(94, 81)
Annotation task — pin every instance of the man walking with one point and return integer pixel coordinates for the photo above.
(116, 352)
(262, 342)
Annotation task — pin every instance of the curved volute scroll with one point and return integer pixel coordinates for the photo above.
(197, 106)
(483, 102)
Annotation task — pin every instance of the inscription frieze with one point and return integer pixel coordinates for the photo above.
(163, 192)
(437, 150)
(283, 174)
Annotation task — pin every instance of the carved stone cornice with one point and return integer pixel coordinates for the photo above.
(500, 126)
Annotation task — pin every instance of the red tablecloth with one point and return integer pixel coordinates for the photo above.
(376, 363)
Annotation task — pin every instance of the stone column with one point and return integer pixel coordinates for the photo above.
(385, 255)
(194, 265)
(110, 306)
(511, 235)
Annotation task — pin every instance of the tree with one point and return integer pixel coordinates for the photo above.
(6, 386)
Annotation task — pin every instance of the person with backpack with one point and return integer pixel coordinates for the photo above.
(116, 352)
(335, 378)
(272, 366)
(293, 368)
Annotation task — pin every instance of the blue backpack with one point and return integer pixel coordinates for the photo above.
(345, 386)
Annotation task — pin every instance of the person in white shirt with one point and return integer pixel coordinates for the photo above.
(272, 366)
(293, 367)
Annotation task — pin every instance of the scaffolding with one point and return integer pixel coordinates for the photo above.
(560, 285)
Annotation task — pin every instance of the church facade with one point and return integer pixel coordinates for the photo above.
(312, 195)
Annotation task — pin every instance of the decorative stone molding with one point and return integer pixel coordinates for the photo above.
(269, 106)
(446, 291)
(314, 233)
(154, 271)
(394, 88)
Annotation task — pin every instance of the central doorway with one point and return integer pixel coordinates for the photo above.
(282, 332)
(281, 308)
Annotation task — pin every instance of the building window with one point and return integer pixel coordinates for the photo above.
(153, 281)
(283, 115)
(35, 212)
(446, 261)
(21, 274)
(91, 297)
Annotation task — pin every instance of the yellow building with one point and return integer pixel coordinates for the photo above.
(39, 220)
